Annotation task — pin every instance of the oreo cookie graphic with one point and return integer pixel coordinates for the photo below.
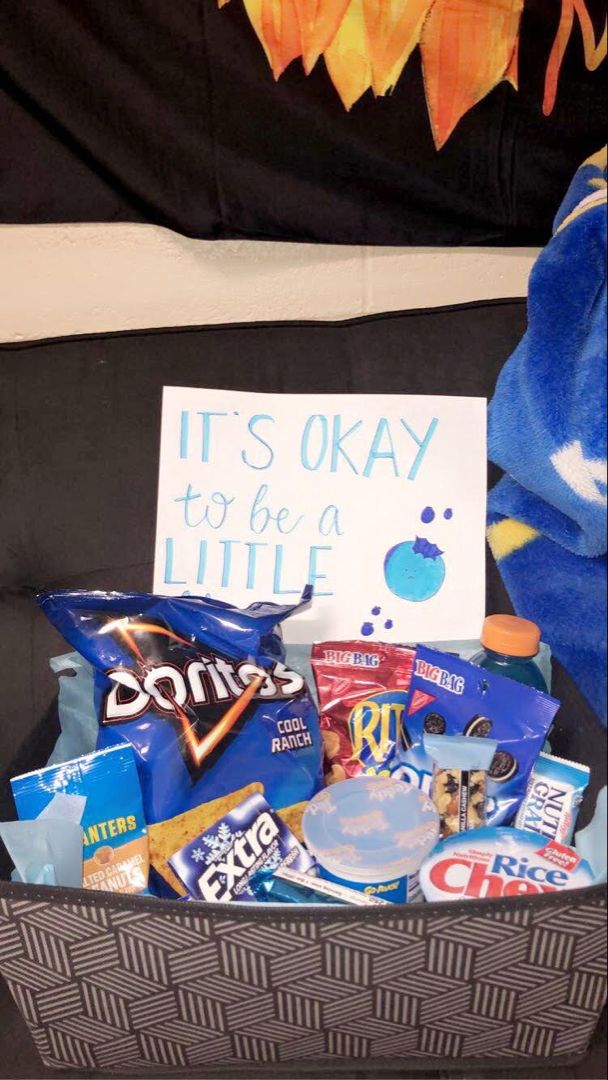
(503, 767)
(434, 724)
(450, 697)
(479, 727)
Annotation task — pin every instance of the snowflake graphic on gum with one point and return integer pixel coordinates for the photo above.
(274, 859)
(218, 844)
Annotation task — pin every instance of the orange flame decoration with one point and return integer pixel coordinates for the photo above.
(468, 46)
(199, 748)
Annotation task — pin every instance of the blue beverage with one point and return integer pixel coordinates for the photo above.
(510, 645)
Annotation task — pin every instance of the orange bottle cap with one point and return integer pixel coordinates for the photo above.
(510, 635)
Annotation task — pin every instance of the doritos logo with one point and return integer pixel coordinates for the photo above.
(202, 681)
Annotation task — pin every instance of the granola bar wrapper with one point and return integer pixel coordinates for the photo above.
(458, 787)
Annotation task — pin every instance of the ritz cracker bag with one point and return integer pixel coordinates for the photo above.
(362, 688)
(201, 691)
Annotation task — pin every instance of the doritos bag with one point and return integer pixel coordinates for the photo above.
(201, 691)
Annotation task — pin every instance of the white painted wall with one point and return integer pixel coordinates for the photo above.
(72, 279)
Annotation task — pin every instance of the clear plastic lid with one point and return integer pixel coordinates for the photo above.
(370, 828)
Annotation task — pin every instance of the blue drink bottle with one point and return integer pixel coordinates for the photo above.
(509, 647)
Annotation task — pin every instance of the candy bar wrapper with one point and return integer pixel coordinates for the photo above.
(218, 865)
(100, 792)
(450, 696)
(552, 801)
(458, 787)
(287, 886)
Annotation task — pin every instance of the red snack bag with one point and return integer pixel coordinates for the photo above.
(362, 689)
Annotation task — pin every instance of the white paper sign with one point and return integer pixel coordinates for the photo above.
(377, 500)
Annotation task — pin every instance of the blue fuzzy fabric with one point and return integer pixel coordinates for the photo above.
(547, 431)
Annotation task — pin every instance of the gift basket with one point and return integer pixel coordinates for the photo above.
(224, 851)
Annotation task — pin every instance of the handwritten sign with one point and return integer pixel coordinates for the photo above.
(378, 501)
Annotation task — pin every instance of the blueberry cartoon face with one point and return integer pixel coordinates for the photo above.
(414, 569)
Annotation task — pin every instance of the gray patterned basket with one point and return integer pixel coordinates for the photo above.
(126, 984)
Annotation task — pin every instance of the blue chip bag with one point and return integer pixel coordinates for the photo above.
(201, 691)
(449, 696)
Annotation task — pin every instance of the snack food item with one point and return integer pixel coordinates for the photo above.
(101, 792)
(362, 690)
(500, 862)
(554, 794)
(478, 704)
(201, 691)
(371, 833)
(218, 865)
(167, 837)
(458, 787)
(287, 886)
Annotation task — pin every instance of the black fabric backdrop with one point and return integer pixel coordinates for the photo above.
(79, 443)
(168, 112)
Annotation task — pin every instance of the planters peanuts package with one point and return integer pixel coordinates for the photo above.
(201, 691)
(101, 793)
(449, 696)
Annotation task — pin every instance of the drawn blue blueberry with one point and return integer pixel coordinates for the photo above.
(388, 624)
(414, 569)
(427, 515)
(376, 610)
(367, 629)
(448, 514)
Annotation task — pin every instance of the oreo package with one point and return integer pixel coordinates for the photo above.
(449, 696)
(202, 692)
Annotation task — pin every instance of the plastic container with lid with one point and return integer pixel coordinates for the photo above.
(371, 833)
(509, 647)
